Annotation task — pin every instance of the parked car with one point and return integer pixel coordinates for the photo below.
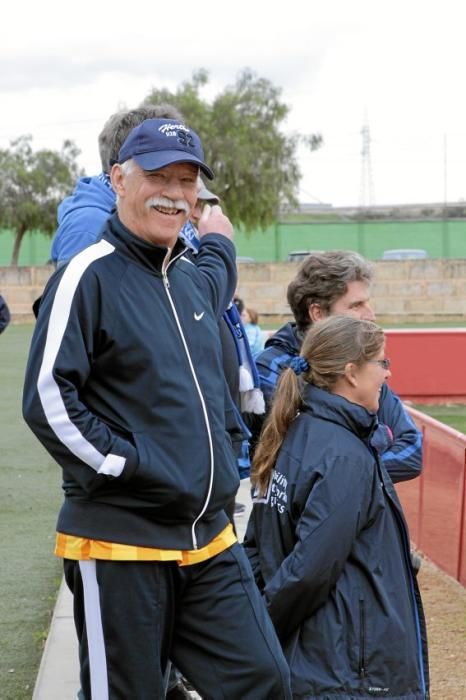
(405, 254)
(298, 255)
(245, 259)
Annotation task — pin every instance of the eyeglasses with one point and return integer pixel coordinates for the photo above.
(385, 363)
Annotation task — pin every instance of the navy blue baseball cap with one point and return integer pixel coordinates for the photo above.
(156, 143)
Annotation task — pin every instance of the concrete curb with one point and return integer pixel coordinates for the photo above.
(58, 677)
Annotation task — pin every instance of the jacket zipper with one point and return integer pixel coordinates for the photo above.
(165, 265)
(362, 639)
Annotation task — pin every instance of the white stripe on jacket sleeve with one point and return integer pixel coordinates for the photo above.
(49, 392)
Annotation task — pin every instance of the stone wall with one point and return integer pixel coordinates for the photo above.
(404, 291)
(431, 289)
(21, 286)
(409, 290)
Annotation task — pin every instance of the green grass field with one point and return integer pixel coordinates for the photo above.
(30, 495)
(453, 415)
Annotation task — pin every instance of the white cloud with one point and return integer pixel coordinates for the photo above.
(62, 72)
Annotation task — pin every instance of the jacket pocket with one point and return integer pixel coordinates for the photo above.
(158, 475)
(169, 475)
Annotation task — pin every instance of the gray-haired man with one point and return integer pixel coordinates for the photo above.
(125, 389)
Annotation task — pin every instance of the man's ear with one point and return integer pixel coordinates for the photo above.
(117, 179)
(315, 312)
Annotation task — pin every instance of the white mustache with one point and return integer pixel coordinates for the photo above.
(169, 203)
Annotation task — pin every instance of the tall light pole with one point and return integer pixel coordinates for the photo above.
(366, 194)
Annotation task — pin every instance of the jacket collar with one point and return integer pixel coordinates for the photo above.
(337, 409)
(148, 254)
(286, 338)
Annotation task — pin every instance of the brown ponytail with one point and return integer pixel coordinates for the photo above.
(329, 345)
(285, 407)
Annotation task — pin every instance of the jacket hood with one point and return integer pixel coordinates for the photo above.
(285, 338)
(89, 192)
(81, 218)
(332, 407)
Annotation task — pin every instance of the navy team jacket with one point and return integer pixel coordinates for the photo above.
(124, 387)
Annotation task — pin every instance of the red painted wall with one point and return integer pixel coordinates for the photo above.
(428, 364)
(434, 504)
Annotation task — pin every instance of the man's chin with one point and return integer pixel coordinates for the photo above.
(165, 235)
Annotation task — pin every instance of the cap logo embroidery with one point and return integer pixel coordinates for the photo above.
(180, 131)
(172, 127)
(185, 139)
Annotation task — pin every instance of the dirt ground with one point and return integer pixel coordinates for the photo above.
(445, 609)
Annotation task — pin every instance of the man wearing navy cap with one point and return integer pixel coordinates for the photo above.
(124, 388)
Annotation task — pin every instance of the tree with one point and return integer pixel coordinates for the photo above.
(32, 184)
(254, 162)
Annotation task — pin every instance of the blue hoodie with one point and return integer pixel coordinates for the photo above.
(81, 217)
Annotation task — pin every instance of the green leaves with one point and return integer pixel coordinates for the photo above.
(254, 161)
(245, 142)
(32, 185)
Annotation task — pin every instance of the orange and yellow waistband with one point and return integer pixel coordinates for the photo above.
(83, 549)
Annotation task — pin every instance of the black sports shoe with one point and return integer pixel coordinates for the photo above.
(178, 692)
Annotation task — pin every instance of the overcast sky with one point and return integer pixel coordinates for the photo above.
(398, 65)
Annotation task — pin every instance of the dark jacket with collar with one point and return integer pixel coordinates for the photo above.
(330, 549)
(400, 447)
(81, 218)
(124, 387)
(5, 315)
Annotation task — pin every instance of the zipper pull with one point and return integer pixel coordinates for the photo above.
(165, 264)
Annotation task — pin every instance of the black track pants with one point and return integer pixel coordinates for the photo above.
(209, 619)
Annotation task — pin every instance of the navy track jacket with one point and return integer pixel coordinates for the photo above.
(125, 389)
(401, 452)
(329, 547)
(5, 315)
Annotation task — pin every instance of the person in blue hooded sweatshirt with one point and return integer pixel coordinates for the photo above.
(82, 215)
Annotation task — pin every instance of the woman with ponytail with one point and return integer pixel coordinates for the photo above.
(327, 539)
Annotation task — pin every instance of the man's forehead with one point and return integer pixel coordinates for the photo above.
(357, 290)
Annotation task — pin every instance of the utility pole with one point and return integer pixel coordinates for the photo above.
(366, 194)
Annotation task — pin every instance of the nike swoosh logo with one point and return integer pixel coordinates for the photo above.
(198, 317)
